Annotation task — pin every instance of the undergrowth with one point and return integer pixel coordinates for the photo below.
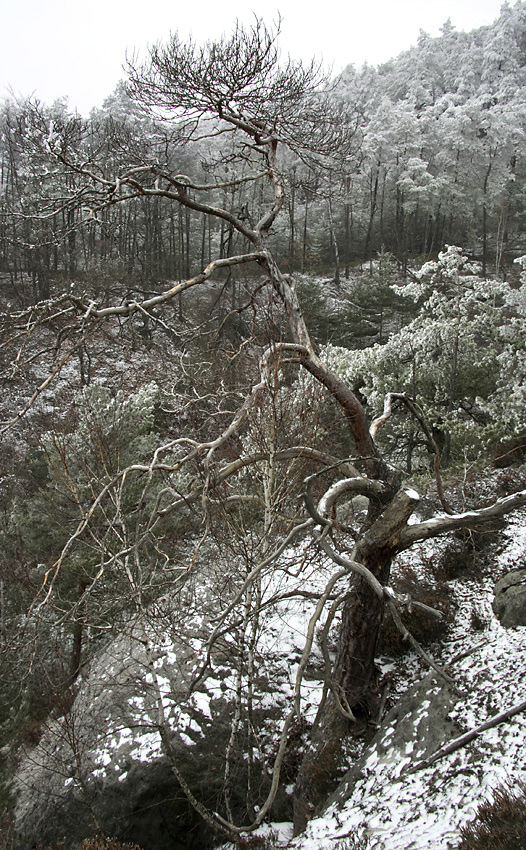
(500, 824)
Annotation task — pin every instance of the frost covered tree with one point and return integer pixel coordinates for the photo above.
(236, 90)
(443, 142)
(447, 360)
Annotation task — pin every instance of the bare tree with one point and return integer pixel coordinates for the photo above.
(235, 96)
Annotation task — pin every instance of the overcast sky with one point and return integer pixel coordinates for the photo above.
(66, 48)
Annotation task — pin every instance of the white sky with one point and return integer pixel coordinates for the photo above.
(66, 48)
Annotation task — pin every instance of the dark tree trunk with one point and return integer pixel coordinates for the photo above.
(347, 244)
(334, 243)
(292, 216)
(485, 220)
(78, 638)
(354, 687)
(305, 231)
(369, 236)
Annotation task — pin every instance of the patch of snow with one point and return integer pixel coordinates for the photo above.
(513, 555)
(399, 810)
(202, 703)
(147, 747)
(412, 494)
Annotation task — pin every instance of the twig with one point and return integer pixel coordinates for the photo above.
(406, 634)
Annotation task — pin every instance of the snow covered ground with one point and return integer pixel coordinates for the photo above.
(391, 808)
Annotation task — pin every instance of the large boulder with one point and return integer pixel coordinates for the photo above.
(105, 765)
(509, 604)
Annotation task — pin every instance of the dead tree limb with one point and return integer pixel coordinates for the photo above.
(457, 743)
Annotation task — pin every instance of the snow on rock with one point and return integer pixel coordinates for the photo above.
(396, 809)
(380, 798)
(153, 677)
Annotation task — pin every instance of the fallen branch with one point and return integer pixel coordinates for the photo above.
(467, 738)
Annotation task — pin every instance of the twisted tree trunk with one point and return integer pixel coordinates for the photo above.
(353, 697)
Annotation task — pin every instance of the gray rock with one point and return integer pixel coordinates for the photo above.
(415, 728)
(103, 765)
(509, 604)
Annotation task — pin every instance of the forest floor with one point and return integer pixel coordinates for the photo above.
(392, 808)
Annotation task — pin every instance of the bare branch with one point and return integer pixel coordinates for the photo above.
(469, 519)
(461, 741)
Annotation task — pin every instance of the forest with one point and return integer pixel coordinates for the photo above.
(263, 360)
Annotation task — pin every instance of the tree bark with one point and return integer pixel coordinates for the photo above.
(353, 697)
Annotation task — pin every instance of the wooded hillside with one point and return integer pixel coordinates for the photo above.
(262, 333)
(437, 158)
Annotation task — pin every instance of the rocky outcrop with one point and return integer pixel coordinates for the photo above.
(416, 727)
(509, 604)
(437, 754)
(103, 766)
